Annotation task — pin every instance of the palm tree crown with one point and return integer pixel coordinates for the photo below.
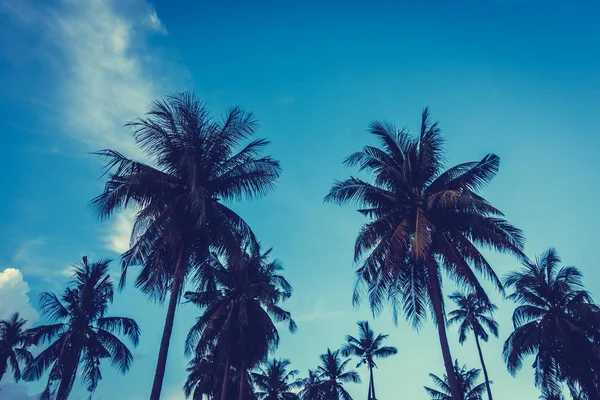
(422, 220)
(198, 163)
(312, 387)
(83, 335)
(333, 374)
(240, 301)
(556, 321)
(467, 382)
(275, 382)
(367, 347)
(14, 341)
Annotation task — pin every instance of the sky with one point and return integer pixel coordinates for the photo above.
(517, 78)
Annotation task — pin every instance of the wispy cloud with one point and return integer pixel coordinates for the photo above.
(319, 311)
(118, 237)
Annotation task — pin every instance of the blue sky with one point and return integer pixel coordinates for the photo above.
(517, 78)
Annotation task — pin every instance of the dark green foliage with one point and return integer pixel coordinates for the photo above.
(14, 344)
(469, 389)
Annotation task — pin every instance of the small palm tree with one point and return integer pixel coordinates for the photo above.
(181, 214)
(424, 221)
(558, 323)
(333, 375)
(467, 383)
(368, 348)
(474, 315)
(312, 387)
(240, 302)
(83, 335)
(275, 382)
(14, 341)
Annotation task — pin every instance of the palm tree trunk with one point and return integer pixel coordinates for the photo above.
(3, 366)
(241, 386)
(435, 293)
(163, 351)
(66, 382)
(225, 384)
(372, 383)
(485, 374)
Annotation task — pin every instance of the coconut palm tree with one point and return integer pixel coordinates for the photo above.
(275, 382)
(557, 322)
(423, 220)
(240, 300)
(368, 348)
(14, 344)
(82, 334)
(204, 380)
(197, 163)
(333, 375)
(474, 315)
(311, 387)
(467, 384)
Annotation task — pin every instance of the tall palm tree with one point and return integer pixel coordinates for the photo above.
(423, 221)
(333, 375)
(82, 334)
(469, 389)
(368, 348)
(14, 342)
(311, 387)
(557, 322)
(240, 302)
(275, 382)
(475, 315)
(179, 198)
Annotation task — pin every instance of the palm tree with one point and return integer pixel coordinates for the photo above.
(311, 387)
(423, 220)
(240, 302)
(367, 347)
(14, 341)
(472, 314)
(180, 197)
(82, 334)
(469, 389)
(275, 382)
(333, 375)
(557, 321)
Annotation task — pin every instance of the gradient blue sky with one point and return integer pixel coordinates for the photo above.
(518, 78)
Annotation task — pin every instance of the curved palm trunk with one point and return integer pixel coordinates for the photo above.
(66, 382)
(225, 384)
(485, 374)
(163, 351)
(371, 384)
(241, 386)
(435, 292)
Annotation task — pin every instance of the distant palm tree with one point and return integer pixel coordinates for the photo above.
(82, 335)
(556, 321)
(180, 198)
(423, 221)
(475, 315)
(240, 302)
(275, 382)
(332, 373)
(467, 384)
(368, 348)
(312, 387)
(14, 341)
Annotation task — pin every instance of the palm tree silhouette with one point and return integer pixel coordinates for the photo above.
(180, 199)
(469, 389)
(275, 382)
(312, 387)
(423, 220)
(556, 321)
(240, 302)
(332, 373)
(82, 334)
(472, 315)
(14, 342)
(368, 348)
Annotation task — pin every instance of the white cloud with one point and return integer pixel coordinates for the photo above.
(119, 234)
(14, 296)
(156, 23)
